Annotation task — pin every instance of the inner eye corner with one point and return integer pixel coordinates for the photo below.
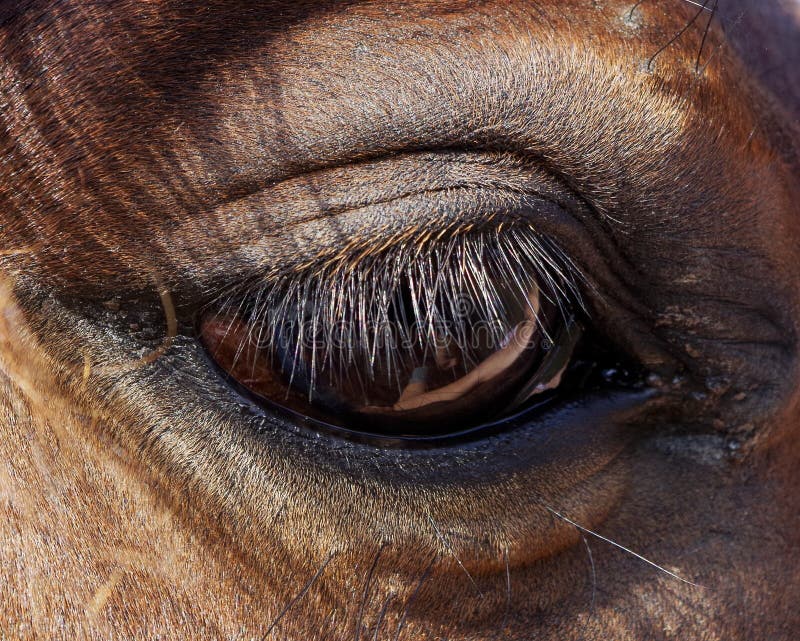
(417, 344)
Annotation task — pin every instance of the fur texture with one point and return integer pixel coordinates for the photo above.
(156, 153)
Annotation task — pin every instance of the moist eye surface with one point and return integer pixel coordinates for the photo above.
(419, 339)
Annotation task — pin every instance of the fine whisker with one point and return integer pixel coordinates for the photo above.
(452, 553)
(413, 597)
(622, 547)
(298, 597)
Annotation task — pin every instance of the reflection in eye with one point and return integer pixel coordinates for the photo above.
(411, 341)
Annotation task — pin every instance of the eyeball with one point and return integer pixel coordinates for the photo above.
(401, 347)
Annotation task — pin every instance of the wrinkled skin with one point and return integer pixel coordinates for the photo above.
(155, 151)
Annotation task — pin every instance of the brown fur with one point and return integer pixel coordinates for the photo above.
(156, 152)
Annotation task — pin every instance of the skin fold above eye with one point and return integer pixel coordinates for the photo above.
(160, 155)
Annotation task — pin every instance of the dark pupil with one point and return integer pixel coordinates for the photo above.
(419, 357)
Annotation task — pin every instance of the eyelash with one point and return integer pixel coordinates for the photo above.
(358, 306)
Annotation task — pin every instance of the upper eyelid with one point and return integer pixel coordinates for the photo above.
(344, 210)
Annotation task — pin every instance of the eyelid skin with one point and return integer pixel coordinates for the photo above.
(343, 212)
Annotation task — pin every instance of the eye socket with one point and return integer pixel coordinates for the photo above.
(421, 340)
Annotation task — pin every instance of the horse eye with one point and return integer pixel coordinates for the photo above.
(417, 343)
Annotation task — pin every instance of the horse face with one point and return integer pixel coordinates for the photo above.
(161, 160)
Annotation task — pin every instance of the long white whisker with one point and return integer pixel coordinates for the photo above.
(623, 548)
